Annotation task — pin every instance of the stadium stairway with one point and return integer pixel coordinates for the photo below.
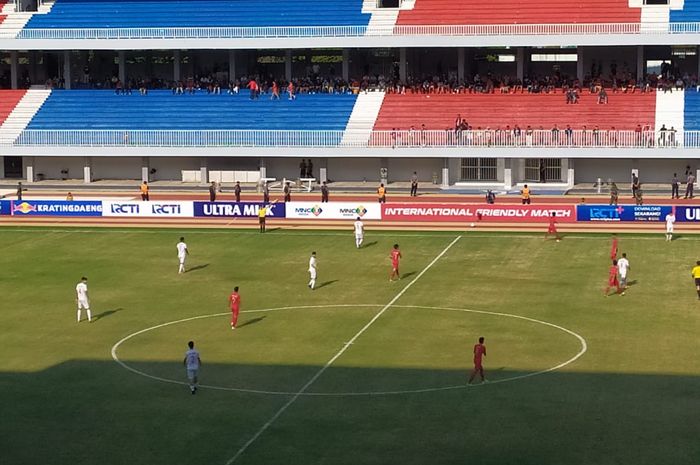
(670, 110)
(519, 12)
(438, 111)
(19, 117)
(382, 19)
(362, 118)
(8, 101)
(15, 21)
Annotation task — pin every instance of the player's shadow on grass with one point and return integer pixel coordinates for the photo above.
(631, 283)
(408, 275)
(369, 244)
(251, 321)
(107, 313)
(326, 283)
(198, 267)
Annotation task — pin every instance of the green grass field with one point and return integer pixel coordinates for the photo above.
(397, 395)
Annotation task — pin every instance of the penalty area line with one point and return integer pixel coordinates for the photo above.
(345, 347)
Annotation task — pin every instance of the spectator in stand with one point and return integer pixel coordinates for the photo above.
(254, 89)
(287, 192)
(662, 135)
(675, 185)
(237, 191)
(602, 97)
(275, 91)
(689, 186)
(302, 169)
(422, 135)
(291, 91)
(212, 192)
(543, 171)
(309, 169)
(324, 192)
(143, 90)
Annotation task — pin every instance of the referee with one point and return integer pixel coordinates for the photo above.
(696, 276)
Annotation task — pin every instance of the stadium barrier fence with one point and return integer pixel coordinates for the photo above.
(412, 138)
(265, 32)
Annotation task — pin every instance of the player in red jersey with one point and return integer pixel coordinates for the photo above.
(479, 354)
(552, 229)
(395, 257)
(613, 250)
(612, 279)
(234, 301)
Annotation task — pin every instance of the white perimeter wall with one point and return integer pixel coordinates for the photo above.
(116, 168)
(654, 171)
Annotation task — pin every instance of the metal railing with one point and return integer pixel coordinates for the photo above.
(398, 140)
(261, 32)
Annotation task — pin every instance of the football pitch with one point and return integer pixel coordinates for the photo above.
(360, 370)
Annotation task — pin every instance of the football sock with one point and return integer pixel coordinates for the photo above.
(312, 283)
(88, 314)
(79, 311)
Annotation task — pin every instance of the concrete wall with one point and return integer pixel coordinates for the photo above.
(654, 171)
(402, 170)
(50, 167)
(116, 168)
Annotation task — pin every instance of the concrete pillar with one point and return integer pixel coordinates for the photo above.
(145, 169)
(203, 171)
(66, 69)
(346, 65)
(288, 65)
(460, 63)
(640, 62)
(263, 169)
(177, 58)
(13, 69)
(2, 167)
(29, 167)
(402, 64)
(580, 70)
(520, 63)
(231, 65)
(445, 173)
(384, 171)
(122, 66)
(323, 170)
(507, 174)
(87, 170)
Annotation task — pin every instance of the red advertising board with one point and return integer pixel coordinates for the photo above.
(474, 213)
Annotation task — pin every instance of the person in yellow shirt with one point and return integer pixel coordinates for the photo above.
(69, 197)
(144, 191)
(525, 194)
(262, 213)
(381, 193)
(696, 276)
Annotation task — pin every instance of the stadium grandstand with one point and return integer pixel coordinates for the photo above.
(468, 95)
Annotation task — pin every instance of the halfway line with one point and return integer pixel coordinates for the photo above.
(336, 356)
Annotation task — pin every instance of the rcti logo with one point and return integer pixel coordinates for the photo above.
(24, 207)
(316, 210)
(606, 213)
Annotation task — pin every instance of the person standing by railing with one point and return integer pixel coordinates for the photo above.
(675, 185)
(614, 194)
(689, 186)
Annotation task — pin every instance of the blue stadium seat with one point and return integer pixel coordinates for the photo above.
(691, 118)
(689, 14)
(161, 110)
(198, 13)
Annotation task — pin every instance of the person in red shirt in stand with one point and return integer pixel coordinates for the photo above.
(290, 91)
(613, 250)
(612, 279)
(253, 86)
(552, 229)
(479, 354)
(234, 301)
(395, 257)
(275, 91)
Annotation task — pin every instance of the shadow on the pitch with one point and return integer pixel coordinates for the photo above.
(198, 267)
(408, 275)
(269, 230)
(327, 283)
(631, 283)
(251, 322)
(369, 244)
(107, 313)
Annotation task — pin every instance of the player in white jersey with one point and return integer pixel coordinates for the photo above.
(81, 291)
(359, 232)
(192, 363)
(312, 271)
(182, 254)
(670, 219)
(623, 265)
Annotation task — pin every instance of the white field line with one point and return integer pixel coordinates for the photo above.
(582, 341)
(336, 356)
